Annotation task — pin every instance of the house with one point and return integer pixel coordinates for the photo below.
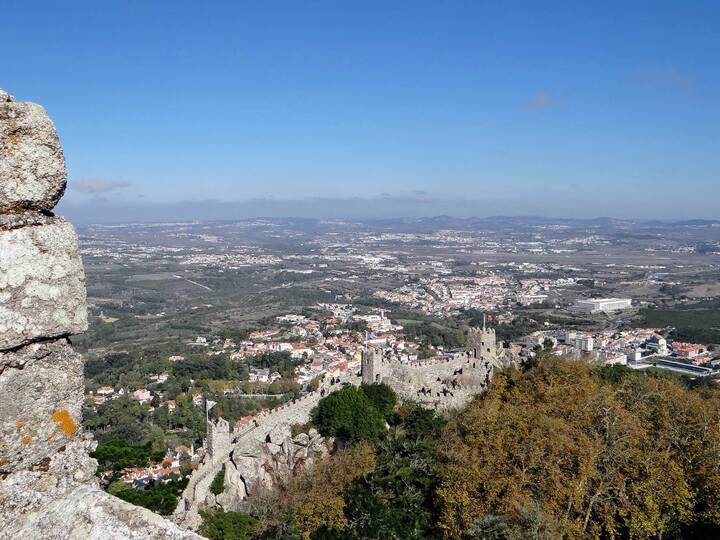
(259, 375)
(142, 395)
(159, 377)
(687, 350)
(244, 421)
(105, 391)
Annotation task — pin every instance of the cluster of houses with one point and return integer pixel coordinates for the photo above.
(636, 347)
(170, 467)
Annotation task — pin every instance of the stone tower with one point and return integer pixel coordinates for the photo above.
(374, 368)
(483, 345)
(48, 487)
(218, 439)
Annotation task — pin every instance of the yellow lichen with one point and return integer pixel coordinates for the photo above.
(19, 424)
(52, 436)
(63, 419)
(26, 439)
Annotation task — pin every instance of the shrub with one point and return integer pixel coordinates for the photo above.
(218, 483)
(349, 415)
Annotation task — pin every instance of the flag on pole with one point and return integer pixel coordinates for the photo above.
(209, 405)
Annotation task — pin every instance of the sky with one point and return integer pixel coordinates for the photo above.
(314, 108)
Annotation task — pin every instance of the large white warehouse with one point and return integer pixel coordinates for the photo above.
(597, 305)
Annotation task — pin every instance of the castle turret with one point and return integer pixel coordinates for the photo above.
(218, 439)
(373, 366)
(483, 345)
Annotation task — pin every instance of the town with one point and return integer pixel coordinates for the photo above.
(327, 348)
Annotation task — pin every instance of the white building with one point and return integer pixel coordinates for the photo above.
(584, 343)
(598, 305)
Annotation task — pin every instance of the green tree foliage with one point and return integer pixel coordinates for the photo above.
(396, 500)
(580, 452)
(349, 415)
(227, 525)
(161, 499)
(276, 361)
(436, 334)
(218, 484)
(117, 455)
(417, 422)
(119, 419)
(213, 367)
(696, 322)
(365, 492)
(381, 396)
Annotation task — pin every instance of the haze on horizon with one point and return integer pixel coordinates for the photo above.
(191, 110)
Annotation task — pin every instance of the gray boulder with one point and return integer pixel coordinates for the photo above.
(32, 166)
(42, 284)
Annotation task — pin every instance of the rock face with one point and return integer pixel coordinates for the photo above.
(47, 485)
(46, 411)
(250, 473)
(32, 166)
(61, 500)
(42, 283)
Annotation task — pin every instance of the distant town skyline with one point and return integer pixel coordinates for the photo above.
(376, 109)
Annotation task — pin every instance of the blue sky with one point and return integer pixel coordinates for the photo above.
(552, 108)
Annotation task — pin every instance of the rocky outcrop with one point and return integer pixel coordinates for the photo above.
(32, 166)
(47, 485)
(272, 464)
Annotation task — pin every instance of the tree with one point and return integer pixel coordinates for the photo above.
(117, 455)
(565, 449)
(396, 500)
(418, 422)
(349, 415)
(227, 525)
(161, 499)
(381, 396)
(314, 499)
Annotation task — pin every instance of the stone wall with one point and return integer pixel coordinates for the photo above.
(47, 485)
(254, 450)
